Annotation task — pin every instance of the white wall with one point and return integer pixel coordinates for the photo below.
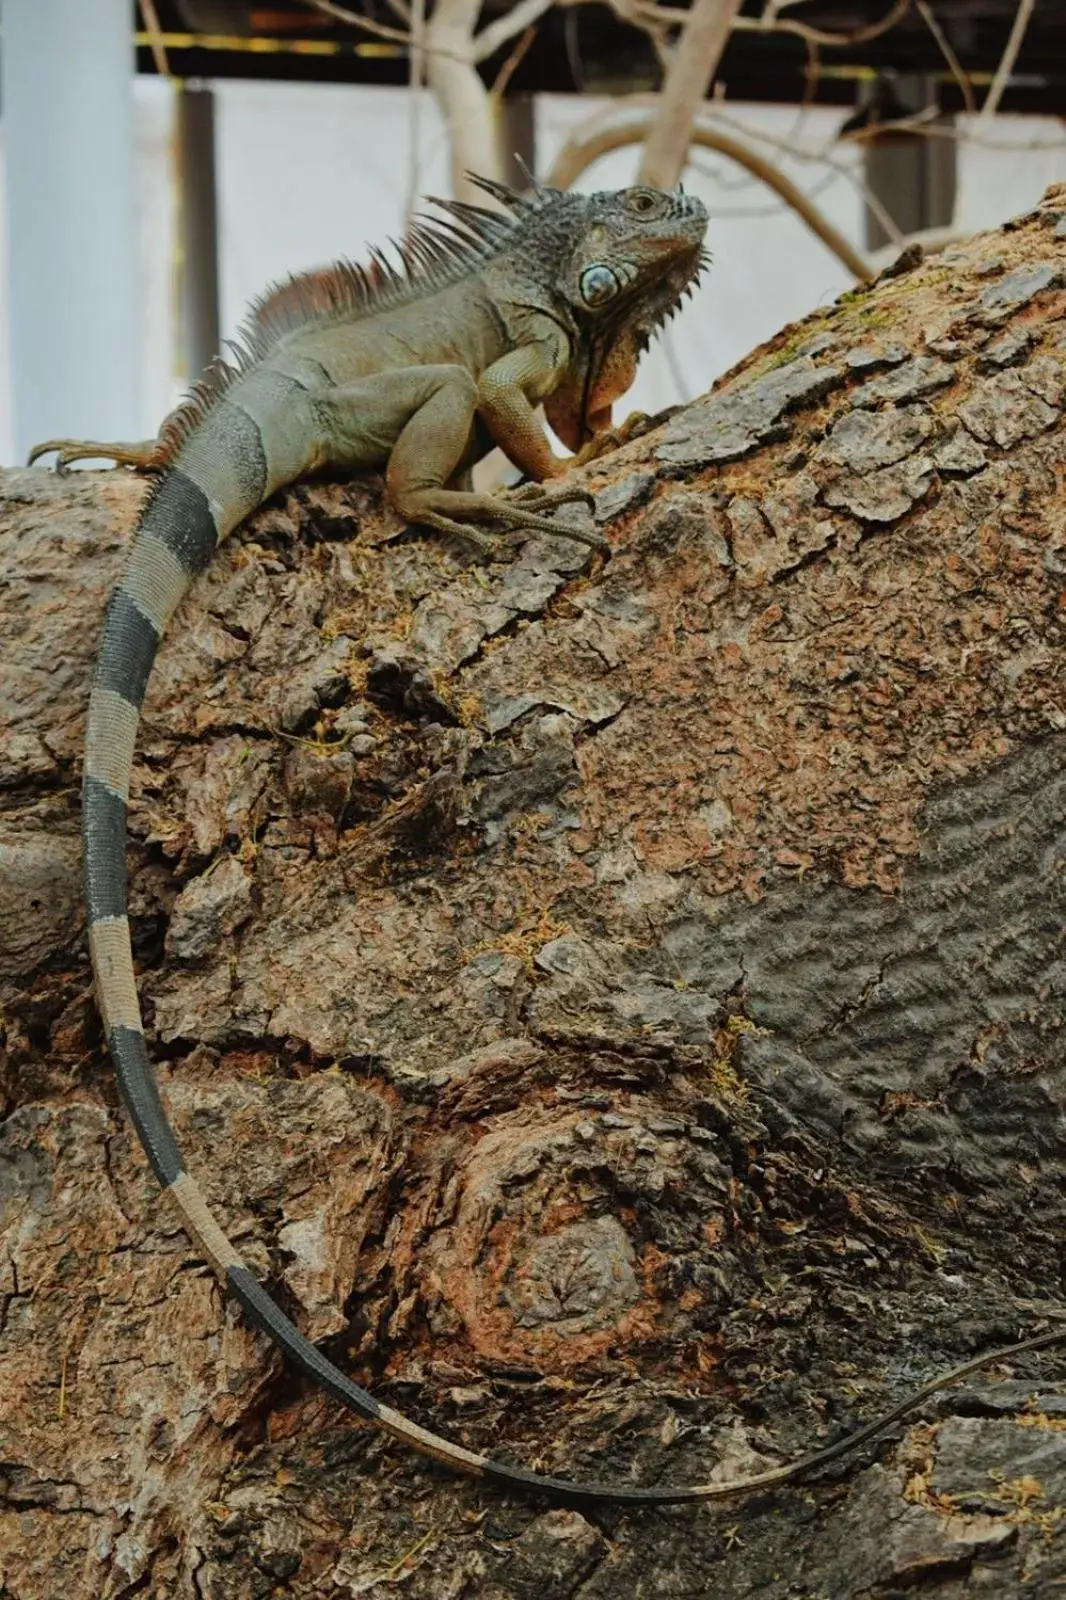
(310, 172)
(162, 378)
(70, 196)
(1005, 171)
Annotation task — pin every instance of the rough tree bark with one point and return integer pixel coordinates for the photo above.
(619, 1007)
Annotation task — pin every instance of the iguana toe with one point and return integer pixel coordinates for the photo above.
(139, 455)
(535, 495)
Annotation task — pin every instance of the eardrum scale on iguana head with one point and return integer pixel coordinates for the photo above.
(414, 370)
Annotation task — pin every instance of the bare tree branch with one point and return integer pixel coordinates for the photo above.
(692, 68)
(804, 30)
(654, 18)
(789, 147)
(516, 20)
(578, 155)
(961, 77)
(417, 66)
(1010, 56)
(155, 37)
(513, 61)
(469, 112)
(448, 50)
(355, 19)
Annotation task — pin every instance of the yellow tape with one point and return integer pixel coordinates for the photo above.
(260, 45)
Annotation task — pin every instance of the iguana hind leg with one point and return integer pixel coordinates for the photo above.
(141, 455)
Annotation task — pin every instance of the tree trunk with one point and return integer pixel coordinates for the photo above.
(619, 1007)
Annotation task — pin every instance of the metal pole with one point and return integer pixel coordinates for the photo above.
(199, 228)
(66, 71)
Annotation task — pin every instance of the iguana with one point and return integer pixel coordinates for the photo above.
(417, 370)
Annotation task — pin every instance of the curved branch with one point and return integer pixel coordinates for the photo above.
(578, 155)
(804, 30)
(517, 19)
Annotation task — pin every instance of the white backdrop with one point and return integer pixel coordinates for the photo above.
(310, 172)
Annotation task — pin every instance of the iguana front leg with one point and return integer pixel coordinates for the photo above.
(428, 414)
(607, 436)
(580, 408)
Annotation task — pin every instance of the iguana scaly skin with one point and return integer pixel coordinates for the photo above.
(415, 371)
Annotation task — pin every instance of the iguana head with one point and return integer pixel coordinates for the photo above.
(600, 254)
(616, 264)
(636, 245)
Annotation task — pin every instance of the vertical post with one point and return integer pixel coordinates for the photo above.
(912, 174)
(66, 89)
(199, 228)
(517, 139)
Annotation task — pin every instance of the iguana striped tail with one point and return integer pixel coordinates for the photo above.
(219, 475)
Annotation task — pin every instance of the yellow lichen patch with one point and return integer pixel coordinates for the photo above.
(724, 1074)
(470, 709)
(1039, 1419)
(1019, 1494)
(524, 940)
(918, 1491)
(1018, 1491)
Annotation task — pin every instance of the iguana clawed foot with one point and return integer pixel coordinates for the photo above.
(515, 511)
(610, 439)
(536, 497)
(141, 454)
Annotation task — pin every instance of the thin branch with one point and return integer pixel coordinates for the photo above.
(355, 19)
(823, 158)
(380, 30)
(155, 37)
(788, 146)
(514, 59)
(576, 157)
(716, 175)
(416, 66)
(645, 14)
(654, 21)
(925, 123)
(910, 122)
(955, 65)
(804, 30)
(473, 143)
(688, 77)
(516, 20)
(1010, 56)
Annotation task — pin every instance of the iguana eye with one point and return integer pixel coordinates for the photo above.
(598, 285)
(643, 201)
